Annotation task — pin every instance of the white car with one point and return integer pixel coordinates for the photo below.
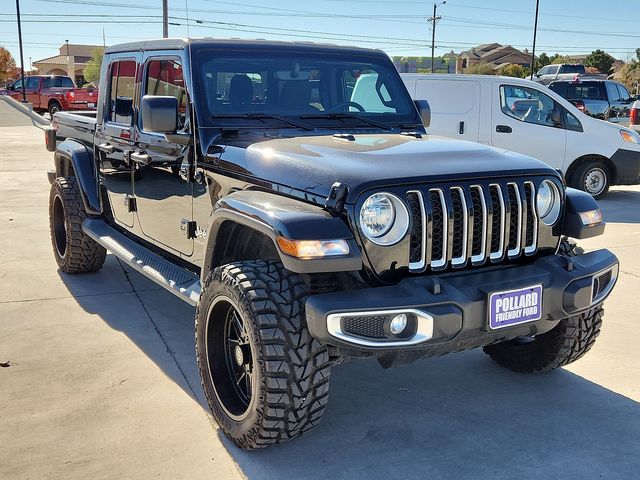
(528, 118)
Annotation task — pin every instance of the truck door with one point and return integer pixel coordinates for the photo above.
(528, 121)
(113, 143)
(164, 196)
(32, 91)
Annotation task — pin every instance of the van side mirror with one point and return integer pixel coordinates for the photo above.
(424, 110)
(159, 114)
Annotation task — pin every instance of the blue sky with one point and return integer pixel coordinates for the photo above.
(398, 27)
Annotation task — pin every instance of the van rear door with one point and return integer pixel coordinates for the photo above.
(455, 106)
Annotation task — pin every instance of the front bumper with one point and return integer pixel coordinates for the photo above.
(627, 164)
(450, 312)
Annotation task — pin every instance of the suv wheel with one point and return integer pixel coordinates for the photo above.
(564, 344)
(74, 251)
(265, 379)
(593, 177)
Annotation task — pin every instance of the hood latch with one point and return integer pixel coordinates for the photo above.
(337, 196)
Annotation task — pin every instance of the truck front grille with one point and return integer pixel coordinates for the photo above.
(458, 225)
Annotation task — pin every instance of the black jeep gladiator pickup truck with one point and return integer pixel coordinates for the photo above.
(301, 206)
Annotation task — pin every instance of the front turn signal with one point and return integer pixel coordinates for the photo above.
(591, 217)
(309, 249)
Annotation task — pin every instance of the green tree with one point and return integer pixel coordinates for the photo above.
(629, 75)
(480, 69)
(7, 66)
(542, 61)
(638, 54)
(92, 68)
(513, 70)
(557, 58)
(600, 60)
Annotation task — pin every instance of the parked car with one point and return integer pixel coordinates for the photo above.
(564, 71)
(602, 99)
(529, 118)
(53, 93)
(309, 228)
(634, 116)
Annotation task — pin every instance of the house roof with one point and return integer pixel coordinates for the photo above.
(496, 54)
(62, 60)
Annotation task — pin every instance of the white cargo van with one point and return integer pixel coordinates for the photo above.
(528, 118)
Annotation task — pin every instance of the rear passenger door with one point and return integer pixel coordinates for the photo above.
(620, 101)
(113, 142)
(164, 196)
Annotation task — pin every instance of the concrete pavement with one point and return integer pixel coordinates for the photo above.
(102, 380)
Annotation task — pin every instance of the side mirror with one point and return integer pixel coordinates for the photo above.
(159, 114)
(556, 117)
(424, 110)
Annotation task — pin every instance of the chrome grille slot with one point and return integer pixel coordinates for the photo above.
(459, 231)
(497, 222)
(465, 224)
(478, 244)
(439, 228)
(515, 220)
(531, 227)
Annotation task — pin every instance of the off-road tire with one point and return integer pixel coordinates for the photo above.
(74, 250)
(291, 383)
(579, 177)
(565, 343)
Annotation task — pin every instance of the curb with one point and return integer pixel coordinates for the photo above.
(36, 119)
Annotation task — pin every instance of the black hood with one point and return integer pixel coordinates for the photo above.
(313, 163)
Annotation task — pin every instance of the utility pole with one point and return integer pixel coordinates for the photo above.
(535, 31)
(165, 18)
(24, 91)
(433, 20)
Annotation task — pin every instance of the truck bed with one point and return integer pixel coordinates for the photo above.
(78, 125)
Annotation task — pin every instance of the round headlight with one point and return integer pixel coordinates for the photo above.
(548, 202)
(384, 219)
(377, 215)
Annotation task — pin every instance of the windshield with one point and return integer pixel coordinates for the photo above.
(319, 88)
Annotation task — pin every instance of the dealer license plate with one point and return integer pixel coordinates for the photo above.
(91, 105)
(513, 307)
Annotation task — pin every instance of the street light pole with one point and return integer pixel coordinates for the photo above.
(535, 31)
(24, 92)
(434, 20)
(165, 18)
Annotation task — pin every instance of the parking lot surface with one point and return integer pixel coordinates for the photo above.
(100, 378)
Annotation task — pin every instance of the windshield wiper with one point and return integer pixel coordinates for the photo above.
(264, 116)
(343, 115)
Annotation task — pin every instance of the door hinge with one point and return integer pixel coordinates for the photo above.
(132, 205)
(188, 227)
(337, 196)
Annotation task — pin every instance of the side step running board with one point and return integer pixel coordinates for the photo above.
(177, 280)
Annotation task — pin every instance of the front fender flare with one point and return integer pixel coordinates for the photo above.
(276, 215)
(75, 155)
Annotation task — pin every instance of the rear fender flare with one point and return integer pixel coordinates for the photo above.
(72, 158)
(276, 215)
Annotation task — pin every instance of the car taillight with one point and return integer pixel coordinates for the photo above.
(633, 116)
(71, 95)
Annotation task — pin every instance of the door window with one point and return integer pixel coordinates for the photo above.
(527, 105)
(623, 92)
(165, 78)
(553, 69)
(32, 83)
(122, 88)
(612, 92)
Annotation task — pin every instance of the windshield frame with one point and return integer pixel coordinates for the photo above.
(206, 52)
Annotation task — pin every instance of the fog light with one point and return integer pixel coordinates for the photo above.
(398, 323)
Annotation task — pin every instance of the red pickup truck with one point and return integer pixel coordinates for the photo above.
(52, 93)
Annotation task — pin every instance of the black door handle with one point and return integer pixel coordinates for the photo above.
(503, 129)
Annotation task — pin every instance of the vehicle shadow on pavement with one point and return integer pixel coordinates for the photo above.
(621, 206)
(458, 416)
